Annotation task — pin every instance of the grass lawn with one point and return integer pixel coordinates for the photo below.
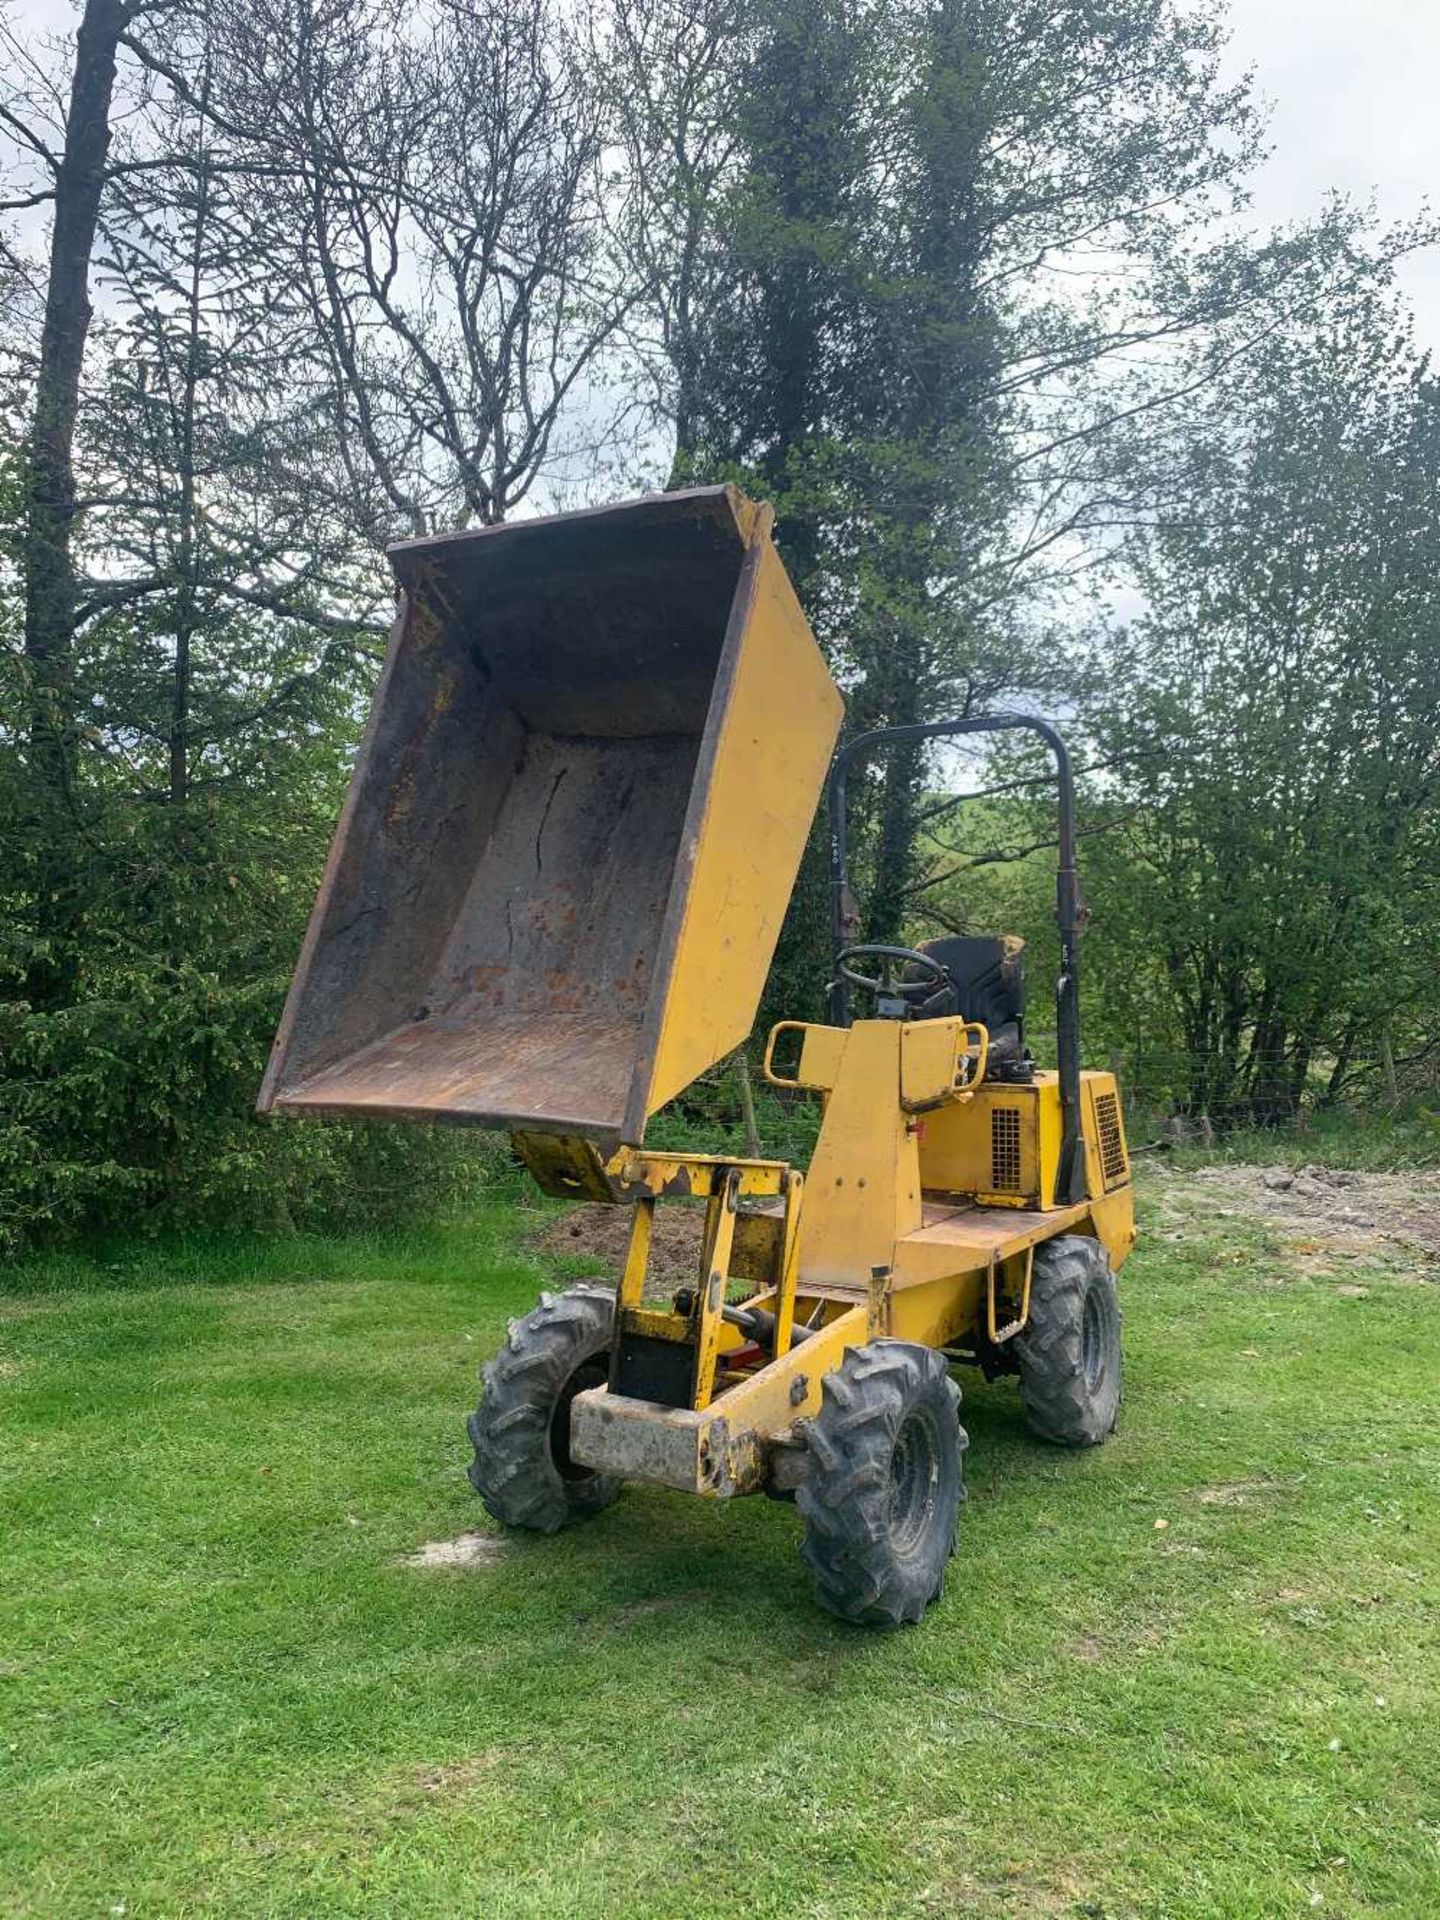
(1194, 1673)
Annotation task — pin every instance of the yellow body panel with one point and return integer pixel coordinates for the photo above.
(950, 1192)
(1004, 1147)
(863, 1187)
(769, 748)
(929, 1054)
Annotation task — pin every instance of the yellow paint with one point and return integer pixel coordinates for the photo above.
(771, 748)
(863, 1188)
(819, 1062)
(958, 1151)
(691, 1174)
(789, 1265)
(637, 1257)
(996, 1283)
(929, 1051)
(714, 1272)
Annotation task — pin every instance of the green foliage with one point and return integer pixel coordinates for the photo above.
(709, 1118)
(1258, 745)
(1272, 720)
(131, 1099)
(1332, 1137)
(152, 901)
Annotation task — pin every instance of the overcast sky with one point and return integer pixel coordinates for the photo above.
(1354, 89)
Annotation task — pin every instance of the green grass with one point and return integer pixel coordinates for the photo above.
(1375, 1142)
(222, 1691)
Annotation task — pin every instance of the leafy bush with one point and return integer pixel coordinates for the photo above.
(138, 1002)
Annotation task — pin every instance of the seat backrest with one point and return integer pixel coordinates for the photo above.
(989, 979)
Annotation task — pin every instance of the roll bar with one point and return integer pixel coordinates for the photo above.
(1070, 1174)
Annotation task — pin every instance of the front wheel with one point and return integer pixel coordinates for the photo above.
(1069, 1353)
(522, 1467)
(884, 1485)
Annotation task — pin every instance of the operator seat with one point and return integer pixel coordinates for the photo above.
(986, 982)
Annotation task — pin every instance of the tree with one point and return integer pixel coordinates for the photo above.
(218, 648)
(227, 589)
(1273, 718)
(669, 73)
(77, 172)
(923, 249)
(433, 193)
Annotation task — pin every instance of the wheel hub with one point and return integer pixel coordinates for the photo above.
(913, 1473)
(1092, 1341)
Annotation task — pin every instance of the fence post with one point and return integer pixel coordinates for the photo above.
(1387, 1067)
(747, 1101)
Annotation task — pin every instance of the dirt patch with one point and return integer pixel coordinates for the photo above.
(600, 1236)
(25, 1306)
(465, 1550)
(1018, 1892)
(459, 1775)
(1325, 1212)
(1239, 1493)
(1334, 1209)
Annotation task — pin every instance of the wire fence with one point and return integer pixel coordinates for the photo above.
(1170, 1093)
(1267, 1087)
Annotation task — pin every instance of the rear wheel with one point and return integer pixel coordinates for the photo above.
(1069, 1353)
(522, 1467)
(883, 1489)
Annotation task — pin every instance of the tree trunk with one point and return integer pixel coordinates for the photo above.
(50, 472)
(187, 567)
(46, 560)
(1342, 1064)
(895, 843)
(743, 1082)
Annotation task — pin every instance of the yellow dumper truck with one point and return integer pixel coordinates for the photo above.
(593, 759)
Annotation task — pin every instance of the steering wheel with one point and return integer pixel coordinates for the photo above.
(886, 984)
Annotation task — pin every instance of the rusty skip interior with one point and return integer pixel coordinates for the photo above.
(492, 926)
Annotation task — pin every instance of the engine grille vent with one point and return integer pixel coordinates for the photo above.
(1005, 1150)
(1112, 1146)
